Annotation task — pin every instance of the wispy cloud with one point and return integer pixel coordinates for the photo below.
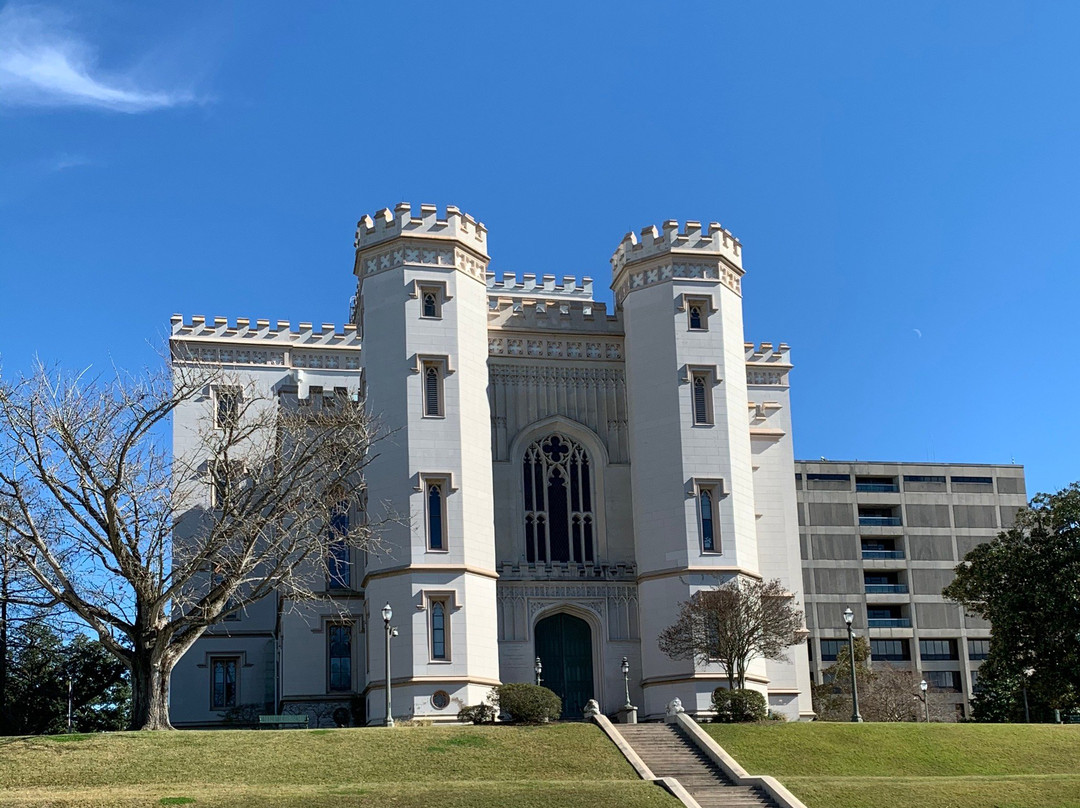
(43, 62)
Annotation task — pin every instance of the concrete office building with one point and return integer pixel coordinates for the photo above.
(883, 539)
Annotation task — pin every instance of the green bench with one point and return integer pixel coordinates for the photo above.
(278, 721)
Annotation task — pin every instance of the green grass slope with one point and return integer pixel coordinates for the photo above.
(541, 767)
(831, 765)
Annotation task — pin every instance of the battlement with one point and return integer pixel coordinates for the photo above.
(389, 224)
(713, 239)
(547, 288)
(767, 353)
(220, 329)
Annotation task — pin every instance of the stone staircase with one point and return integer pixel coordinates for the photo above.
(669, 753)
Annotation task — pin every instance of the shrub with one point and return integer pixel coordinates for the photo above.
(526, 703)
(477, 714)
(738, 706)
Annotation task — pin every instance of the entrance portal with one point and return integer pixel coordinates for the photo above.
(564, 645)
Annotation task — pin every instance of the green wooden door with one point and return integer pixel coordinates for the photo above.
(564, 645)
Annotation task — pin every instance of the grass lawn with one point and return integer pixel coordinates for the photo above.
(534, 767)
(833, 765)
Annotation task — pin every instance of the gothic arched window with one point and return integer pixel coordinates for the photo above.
(705, 499)
(559, 521)
(695, 317)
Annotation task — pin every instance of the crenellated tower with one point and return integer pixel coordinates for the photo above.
(421, 310)
(691, 461)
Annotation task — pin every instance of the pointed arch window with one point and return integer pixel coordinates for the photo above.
(432, 391)
(339, 558)
(696, 322)
(438, 630)
(559, 518)
(430, 303)
(705, 501)
(701, 399)
(436, 515)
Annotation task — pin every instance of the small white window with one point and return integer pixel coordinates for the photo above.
(430, 302)
(227, 402)
(697, 313)
(701, 393)
(225, 480)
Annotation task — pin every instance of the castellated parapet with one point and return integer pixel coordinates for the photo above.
(547, 288)
(387, 224)
(767, 364)
(396, 239)
(217, 341)
(692, 239)
(710, 253)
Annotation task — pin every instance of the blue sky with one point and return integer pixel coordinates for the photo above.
(904, 178)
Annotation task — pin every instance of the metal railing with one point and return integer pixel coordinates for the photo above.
(883, 488)
(886, 589)
(879, 521)
(889, 622)
(871, 554)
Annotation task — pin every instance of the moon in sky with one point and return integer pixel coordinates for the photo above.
(917, 332)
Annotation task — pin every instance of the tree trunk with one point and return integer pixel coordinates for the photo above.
(150, 689)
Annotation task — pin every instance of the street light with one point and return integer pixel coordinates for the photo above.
(387, 616)
(538, 669)
(626, 681)
(925, 701)
(849, 616)
(1028, 673)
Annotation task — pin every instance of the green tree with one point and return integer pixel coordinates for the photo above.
(1026, 582)
(40, 664)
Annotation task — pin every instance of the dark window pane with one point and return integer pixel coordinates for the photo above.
(435, 517)
(438, 631)
(706, 521)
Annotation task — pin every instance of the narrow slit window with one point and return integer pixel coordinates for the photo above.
(708, 543)
(436, 506)
(339, 560)
(432, 391)
(438, 630)
(702, 414)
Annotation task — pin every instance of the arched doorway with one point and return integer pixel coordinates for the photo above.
(564, 645)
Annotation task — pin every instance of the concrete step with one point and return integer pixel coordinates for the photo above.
(669, 753)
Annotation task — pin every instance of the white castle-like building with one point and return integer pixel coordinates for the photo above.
(571, 476)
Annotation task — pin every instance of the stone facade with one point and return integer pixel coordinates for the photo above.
(570, 475)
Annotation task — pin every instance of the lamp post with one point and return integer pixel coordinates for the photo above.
(538, 669)
(925, 701)
(849, 616)
(387, 615)
(626, 681)
(1028, 673)
(69, 723)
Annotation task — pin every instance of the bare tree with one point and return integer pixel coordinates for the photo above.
(733, 624)
(886, 692)
(91, 494)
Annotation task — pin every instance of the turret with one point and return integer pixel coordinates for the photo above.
(422, 313)
(691, 471)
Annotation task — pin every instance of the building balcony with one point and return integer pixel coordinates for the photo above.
(879, 521)
(886, 589)
(889, 622)
(882, 555)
